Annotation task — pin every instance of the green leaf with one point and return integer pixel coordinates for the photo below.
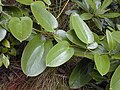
(48, 2)
(81, 29)
(5, 61)
(44, 17)
(74, 39)
(5, 50)
(80, 75)
(105, 4)
(34, 55)
(82, 52)
(110, 23)
(102, 63)
(111, 42)
(96, 76)
(100, 50)
(26, 2)
(86, 16)
(100, 11)
(97, 23)
(13, 11)
(92, 4)
(6, 43)
(1, 9)
(81, 5)
(118, 26)
(116, 56)
(85, 2)
(59, 54)
(1, 62)
(115, 80)
(110, 15)
(116, 36)
(12, 52)
(104, 43)
(114, 64)
(3, 33)
(96, 37)
(21, 28)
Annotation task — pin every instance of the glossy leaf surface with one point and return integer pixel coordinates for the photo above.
(34, 55)
(59, 54)
(81, 29)
(44, 17)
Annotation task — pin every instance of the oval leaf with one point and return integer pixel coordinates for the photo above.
(86, 16)
(115, 81)
(110, 40)
(59, 54)
(3, 33)
(81, 29)
(34, 56)
(102, 63)
(116, 36)
(26, 2)
(81, 74)
(110, 15)
(21, 28)
(43, 17)
(6, 43)
(5, 61)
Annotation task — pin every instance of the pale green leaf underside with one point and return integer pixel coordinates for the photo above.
(3, 33)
